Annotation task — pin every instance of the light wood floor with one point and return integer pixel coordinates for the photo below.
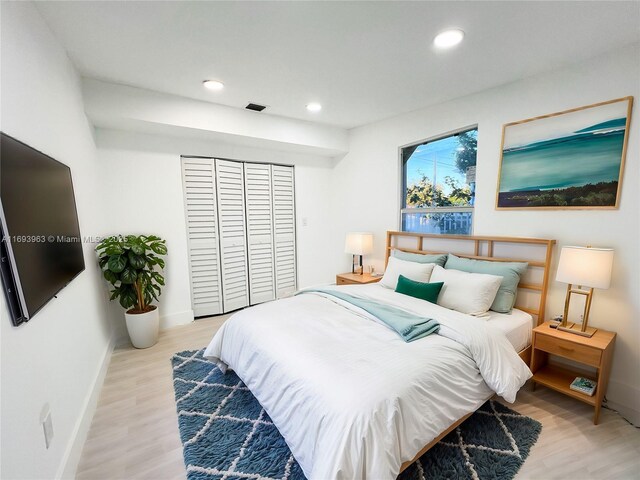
(134, 433)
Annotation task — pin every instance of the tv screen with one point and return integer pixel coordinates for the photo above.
(42, 249)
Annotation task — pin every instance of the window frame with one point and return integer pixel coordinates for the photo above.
(403, 180)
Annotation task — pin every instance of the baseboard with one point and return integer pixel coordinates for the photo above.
(621, 397)
(175, 319)
(71, 458)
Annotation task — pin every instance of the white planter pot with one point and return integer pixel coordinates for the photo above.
(143, 328)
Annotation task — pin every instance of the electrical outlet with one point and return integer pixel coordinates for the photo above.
(47, 425)
(305, 221)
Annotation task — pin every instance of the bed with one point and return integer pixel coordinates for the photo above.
(354, 400)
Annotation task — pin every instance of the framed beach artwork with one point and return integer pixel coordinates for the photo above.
(567, 160)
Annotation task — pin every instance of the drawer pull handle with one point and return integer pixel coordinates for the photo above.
(565, 348)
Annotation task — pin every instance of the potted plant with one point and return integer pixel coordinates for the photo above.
(130, 264)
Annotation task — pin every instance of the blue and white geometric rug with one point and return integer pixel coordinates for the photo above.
(227, 435)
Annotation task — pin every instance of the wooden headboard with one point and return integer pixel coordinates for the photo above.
(532, 289)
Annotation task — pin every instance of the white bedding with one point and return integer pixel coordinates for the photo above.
(516, 326)
(350, 397)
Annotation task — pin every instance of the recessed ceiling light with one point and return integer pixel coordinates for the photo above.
(314, 107)
(213, 84)
(448, 38)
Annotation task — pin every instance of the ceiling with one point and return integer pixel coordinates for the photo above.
(363, 61)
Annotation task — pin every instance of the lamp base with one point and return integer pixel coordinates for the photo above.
(356, 266)
(577, 329)
(556, 324)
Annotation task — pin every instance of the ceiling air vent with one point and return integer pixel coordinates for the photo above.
(255, 107)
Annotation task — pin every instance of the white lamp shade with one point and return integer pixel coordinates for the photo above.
(358, 243)
(589, 267)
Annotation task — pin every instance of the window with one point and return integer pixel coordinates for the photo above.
(439, 180)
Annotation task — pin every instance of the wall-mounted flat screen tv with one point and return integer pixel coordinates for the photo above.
(41, 242)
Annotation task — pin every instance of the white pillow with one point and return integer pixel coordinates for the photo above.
(420, 272)
(471, 293)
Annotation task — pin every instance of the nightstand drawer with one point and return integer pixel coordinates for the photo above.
(567, 349)
(342, 281)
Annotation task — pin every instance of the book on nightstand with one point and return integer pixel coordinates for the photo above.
(583, 385)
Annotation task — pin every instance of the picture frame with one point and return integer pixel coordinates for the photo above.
(573, 159)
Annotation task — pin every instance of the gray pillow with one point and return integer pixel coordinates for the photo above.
(419, 257)
(509, 271)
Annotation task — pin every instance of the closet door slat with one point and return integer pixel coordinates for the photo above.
(284, 228)
(198, 180)
(233, 234)
(258, 195)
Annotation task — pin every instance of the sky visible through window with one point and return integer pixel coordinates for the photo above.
(437, 160)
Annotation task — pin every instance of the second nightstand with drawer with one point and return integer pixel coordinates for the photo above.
(595, 352)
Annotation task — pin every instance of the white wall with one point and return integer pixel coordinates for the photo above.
(57, 356)
(372, 164)
(141, 177)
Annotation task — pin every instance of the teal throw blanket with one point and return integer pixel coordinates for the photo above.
(408, 325)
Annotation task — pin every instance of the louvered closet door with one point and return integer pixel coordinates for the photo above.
(198, 179)
(233, 243)
(284, 227)
(257, 184)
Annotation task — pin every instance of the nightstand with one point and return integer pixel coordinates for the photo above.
(596, 352)
(355, 279)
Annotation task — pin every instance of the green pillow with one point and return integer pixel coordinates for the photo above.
(423, 291)
(420, 258)
(509, 271)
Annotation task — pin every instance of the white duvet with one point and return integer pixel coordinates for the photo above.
(349, 396)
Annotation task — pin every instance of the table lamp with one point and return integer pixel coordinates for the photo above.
(358, 244)
(584, 267)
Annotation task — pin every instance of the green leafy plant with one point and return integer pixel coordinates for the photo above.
(130, 264)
